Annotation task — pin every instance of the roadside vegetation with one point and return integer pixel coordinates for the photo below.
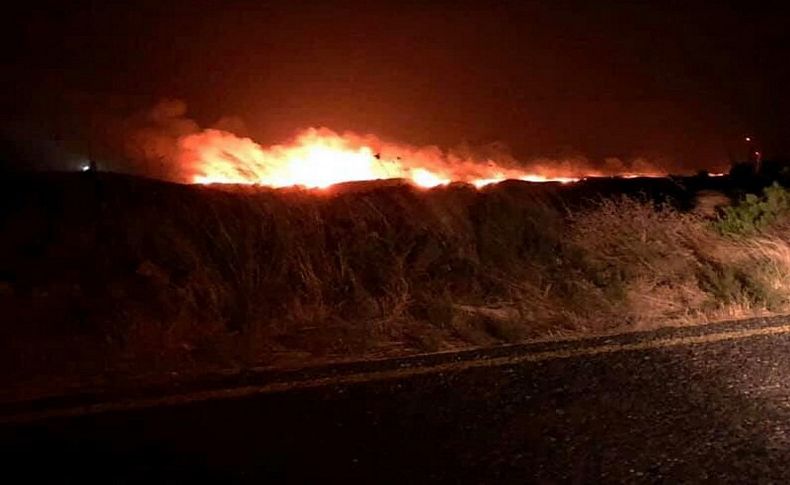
(129, 276)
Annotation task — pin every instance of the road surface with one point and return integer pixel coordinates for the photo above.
(695, 404)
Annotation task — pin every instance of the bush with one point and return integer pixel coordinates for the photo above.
(755, 213)
(641, 256)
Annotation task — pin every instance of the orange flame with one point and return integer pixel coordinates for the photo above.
(318, 158)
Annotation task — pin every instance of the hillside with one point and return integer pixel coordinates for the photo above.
(104, 274)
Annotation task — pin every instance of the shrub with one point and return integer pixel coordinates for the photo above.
(641, 256)
(754, 212)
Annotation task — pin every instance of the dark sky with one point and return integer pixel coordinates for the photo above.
(680, 80)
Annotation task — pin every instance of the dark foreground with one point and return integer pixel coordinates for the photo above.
(714, 411)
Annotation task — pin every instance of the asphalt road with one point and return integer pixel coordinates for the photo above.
(710, 404)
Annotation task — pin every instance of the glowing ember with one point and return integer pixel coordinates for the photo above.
(318, 158)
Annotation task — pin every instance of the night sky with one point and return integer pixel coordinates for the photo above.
(677, 80)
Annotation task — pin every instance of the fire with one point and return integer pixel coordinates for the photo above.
(319, 158)
(541, 178)
(427, 179)
(314, 161)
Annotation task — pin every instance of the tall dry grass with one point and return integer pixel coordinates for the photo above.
(669, 267)
(159, 274)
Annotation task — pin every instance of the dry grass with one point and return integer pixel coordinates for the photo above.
(674, 268)
(644, 258)
(159, 275)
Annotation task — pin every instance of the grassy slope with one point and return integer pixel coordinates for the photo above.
(117, 274)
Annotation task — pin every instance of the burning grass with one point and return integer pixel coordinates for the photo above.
(128, 275)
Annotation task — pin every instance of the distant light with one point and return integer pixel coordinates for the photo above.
(748, 138)
(85, 167)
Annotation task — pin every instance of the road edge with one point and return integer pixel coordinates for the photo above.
(268, 382)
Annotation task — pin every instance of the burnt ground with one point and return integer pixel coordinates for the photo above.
(716, 411)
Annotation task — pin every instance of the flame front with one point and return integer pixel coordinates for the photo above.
(313, 160)
(318, 158)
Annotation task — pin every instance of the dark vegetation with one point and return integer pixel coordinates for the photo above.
(107, 276)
